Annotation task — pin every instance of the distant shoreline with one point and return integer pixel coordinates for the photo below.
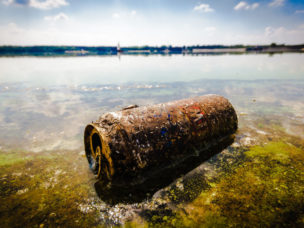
(147, 50)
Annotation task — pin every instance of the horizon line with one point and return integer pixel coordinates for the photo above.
(146, 45)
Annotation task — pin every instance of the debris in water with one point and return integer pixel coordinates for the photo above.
(131, 146)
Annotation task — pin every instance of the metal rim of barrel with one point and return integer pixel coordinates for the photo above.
(98, 153)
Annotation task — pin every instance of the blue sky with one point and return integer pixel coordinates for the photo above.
(151, 22)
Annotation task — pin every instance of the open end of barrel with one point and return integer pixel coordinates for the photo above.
(98, 162)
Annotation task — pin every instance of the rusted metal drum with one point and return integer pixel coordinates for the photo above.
(135, 143)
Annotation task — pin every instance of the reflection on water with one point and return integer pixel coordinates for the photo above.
(46, 72)
(43, 118)
(47, 102)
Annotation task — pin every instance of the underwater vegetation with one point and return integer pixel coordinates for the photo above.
(265, 189)
(256, 182)
(41, 191)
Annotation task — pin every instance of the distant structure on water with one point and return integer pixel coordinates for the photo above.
(118, 48)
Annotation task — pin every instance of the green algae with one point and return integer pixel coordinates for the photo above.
(265, 189)
(257, 186)
(45, 191)
(13, 157)
(10, 159)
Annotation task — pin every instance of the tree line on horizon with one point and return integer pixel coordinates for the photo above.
(113, 50)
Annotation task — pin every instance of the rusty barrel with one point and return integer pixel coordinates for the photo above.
(138, 142)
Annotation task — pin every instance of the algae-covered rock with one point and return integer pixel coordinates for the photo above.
(265, 190)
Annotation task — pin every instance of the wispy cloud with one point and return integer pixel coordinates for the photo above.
(282, 34)
(8, 2)
(58, 17)
(48, 4)
(133, 13)
(12, 28)
(210, 29)
(115, 15)
(38, 4)
(124, 14)
(245, 6)
(277, 3)
(299, 11)
(203, 8)
(269, 31)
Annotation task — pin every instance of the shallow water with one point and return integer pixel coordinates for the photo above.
(47, 102)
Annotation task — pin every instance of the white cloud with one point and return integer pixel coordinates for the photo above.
(203, 8)
(133, 13)
(284, 35)
(8, 2)
(241, 5)
(12, 34)
(48, 4)
(116, 15)
(210, 29)
(269, 31)
(58, 17)
(245, 6)
(38, 4)
(299, 11)
(12, 28)
(276, 3)
(255, 5)
(110, 31)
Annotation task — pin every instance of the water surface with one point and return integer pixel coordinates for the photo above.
(47, 102)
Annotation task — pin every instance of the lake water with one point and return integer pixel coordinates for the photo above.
(45, 103)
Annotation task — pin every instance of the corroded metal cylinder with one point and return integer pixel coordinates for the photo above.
(133, 144)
